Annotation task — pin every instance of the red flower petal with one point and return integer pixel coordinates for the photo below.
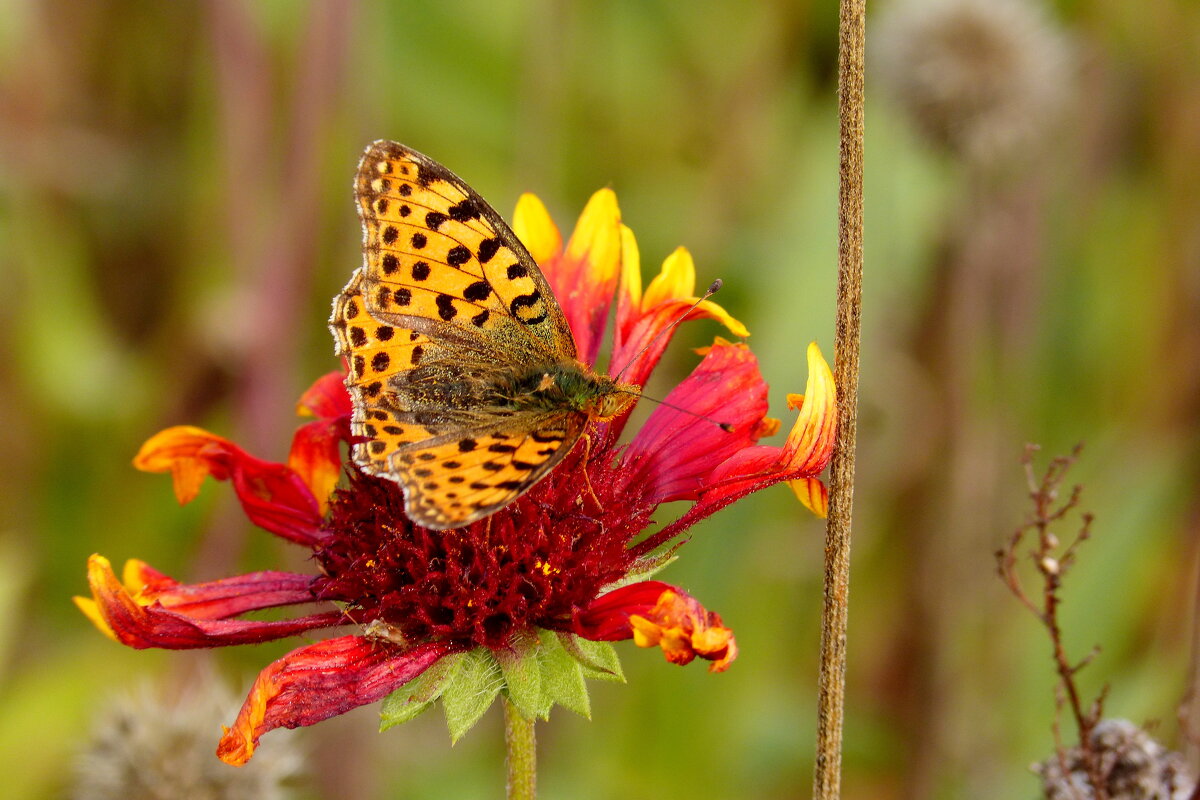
(809, 445)
(655, 613)
(316, 455)
(273, 495)
(320, 681)
(138, 621)
(645, 320)
(584, 276)
(675, 450)
(326, 398)
(808, 448)
(220, 599)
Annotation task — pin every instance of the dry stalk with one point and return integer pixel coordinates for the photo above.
(1052, 562)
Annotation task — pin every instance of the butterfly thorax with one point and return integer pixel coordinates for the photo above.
(568, 385)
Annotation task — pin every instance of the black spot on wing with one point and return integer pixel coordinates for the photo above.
(464, 211)
(478, 291)
(487, 249)
(522, 304)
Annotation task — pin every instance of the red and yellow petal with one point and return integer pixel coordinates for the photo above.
(326, 398)
(219, 599)
(273, 495)
(178, 450)
(595, 244)
(629, 292)
(803, 456)
(813, 494)
(536, 230)
(584, 275)
(316, 456)
(653, 614)
(644, 320)
(320, 681)
(810, 442)
(683, 438)
(675, 284)
(174, 616)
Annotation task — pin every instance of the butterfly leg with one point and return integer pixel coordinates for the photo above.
(587, 456)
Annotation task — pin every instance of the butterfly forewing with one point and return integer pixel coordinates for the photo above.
(375, 354)
(434, 250)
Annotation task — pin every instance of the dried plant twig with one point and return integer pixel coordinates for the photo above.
(1052, 562)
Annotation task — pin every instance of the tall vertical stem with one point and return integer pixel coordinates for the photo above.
(520, 745)
(831, 699)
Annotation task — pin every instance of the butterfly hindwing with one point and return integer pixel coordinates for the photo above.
(455, 479)
(437, 251)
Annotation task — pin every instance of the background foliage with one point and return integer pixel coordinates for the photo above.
(175, 215)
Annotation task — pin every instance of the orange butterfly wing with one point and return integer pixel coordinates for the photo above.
(447, 302)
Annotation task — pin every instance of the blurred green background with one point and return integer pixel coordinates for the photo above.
(176, 213)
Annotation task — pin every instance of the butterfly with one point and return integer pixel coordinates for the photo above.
(462, 368)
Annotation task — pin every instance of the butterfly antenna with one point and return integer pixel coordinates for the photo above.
(712, 289)
(725, 426)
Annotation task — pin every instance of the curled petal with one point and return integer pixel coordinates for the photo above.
(809, 445)
(327, 397)
(166, 614)
(655, 613)
(683, 438)
(584, 277)
(320, 681)
(644, 321)
(220, 599)
(316, 455)
(807, 450)
(813, 494)
(535, 229)
(273, 495)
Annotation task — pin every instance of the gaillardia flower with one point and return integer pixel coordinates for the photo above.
(524, 601)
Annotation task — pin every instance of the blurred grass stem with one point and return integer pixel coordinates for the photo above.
(520, 745)
(832, 681)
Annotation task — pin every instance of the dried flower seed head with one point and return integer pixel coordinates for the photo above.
(982, 78)
(146, 746)
(1138, 768)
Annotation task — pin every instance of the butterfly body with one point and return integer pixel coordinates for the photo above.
(462, 368)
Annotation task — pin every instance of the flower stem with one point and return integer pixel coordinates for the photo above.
(521, 746)
(832, 681)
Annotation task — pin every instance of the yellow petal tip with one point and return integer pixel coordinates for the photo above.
(535, 228)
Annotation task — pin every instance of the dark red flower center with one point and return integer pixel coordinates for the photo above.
(532, 563)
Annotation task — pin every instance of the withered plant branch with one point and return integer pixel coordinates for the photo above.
(832, 678)
(1052, 562)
